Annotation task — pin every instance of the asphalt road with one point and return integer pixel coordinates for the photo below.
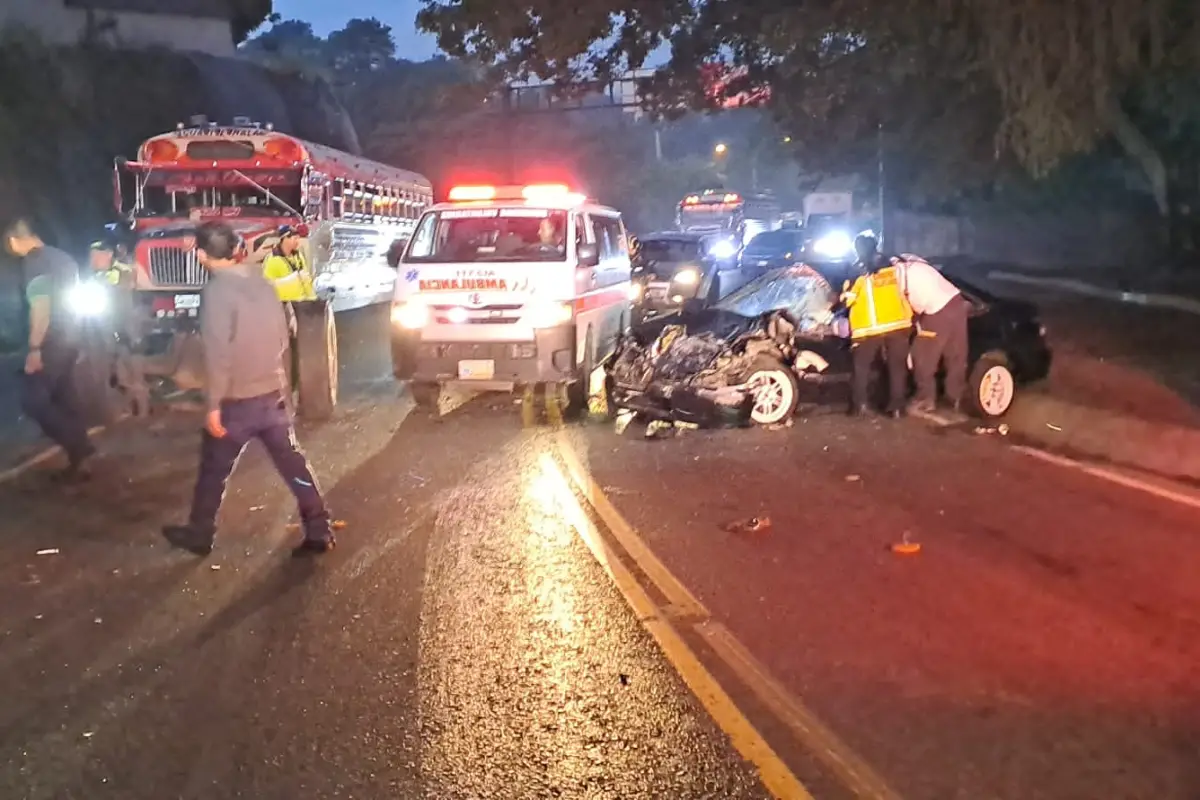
(463, 642)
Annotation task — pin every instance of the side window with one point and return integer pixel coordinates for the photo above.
(422, 246)
(611, 237)
(581, 226)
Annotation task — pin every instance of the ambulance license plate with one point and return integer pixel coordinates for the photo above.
(185, 302)
(477, 370)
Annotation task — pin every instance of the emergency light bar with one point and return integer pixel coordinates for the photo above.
(539, 192)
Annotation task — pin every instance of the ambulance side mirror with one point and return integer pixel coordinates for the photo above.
(396, 252)
(589, 255)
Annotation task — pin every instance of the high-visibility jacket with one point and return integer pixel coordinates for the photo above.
(119, 274)
(290, 276)
(877, 304)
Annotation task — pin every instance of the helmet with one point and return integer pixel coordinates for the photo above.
(635, 245)
(285, 231)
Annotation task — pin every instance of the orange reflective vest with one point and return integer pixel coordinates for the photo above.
(877, 304)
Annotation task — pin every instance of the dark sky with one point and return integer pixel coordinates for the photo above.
(326, 16)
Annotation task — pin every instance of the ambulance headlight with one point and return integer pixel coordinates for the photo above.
(687, 277)
(88, 299)
(548, 315)
(723, 249)
(410, 314)
(834, 245)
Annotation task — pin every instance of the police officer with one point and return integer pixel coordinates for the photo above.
(244, 334)
(287, 269)
(47, 380)
(112, 267)
(880, 321)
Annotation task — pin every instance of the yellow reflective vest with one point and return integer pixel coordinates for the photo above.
(290, 276)
(877, 304)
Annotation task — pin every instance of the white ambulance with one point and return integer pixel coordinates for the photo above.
(511, 285)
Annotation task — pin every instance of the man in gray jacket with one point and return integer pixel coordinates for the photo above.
(244, 332)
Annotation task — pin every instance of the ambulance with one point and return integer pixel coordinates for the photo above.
(505, 286)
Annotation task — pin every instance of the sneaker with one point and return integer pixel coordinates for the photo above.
(185, 537)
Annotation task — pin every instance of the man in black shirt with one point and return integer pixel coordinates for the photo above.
(47, 390)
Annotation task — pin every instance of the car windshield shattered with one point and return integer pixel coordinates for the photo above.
(800, 290)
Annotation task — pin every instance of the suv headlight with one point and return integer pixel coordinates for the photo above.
(687, 277)
(834, 245)
(410, 314)
(88, 299)
(723, 249)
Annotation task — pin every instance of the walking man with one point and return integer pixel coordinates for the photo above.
(244, 333)
(941, 313)
(47, 380)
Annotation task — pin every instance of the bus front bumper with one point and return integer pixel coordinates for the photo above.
(487, 366)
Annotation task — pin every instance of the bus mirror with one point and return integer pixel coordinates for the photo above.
(396, 252)
(589, 255)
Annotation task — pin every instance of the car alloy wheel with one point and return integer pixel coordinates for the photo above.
(774, 394)
(996, 390)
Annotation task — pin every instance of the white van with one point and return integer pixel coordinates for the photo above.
(508, 286)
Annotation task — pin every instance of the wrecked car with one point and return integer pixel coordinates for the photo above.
(743, 359)
(737, 361)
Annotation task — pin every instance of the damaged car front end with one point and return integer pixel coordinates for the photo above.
(737, 363)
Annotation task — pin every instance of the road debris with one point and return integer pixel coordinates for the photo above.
(984, 430)
(779, 426)
(49, 551)
(751, 525)
(215, 567)
(337, 525)
(904, 547)
(853, 478)
(1053, 427)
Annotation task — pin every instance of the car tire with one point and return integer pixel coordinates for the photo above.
(779, 381)
(991, 386)
(579, 390)
(316, 360)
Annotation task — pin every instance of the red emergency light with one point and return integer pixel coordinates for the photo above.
(161, 151)
(537, 193)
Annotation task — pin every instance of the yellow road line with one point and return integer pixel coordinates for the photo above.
(817, 738)
(773, 772)
(681, 600)
(853, 771)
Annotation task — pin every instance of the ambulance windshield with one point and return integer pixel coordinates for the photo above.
(471, 235)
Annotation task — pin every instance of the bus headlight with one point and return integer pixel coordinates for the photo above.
(687, 277)
(88, 299)
(411, 314)
(834, 245)
(636, 290)
(548, 315)
(723, 249)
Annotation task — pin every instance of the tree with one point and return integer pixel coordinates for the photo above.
(287, 40)
(1026, 79)
(362, 46)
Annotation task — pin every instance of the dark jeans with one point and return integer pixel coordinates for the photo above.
(50, 400)
(267, 419)
(894, 347)
(943, 339)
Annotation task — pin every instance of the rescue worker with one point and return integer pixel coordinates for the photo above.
(941, 315)
(112, 267)
(52, 339)
(244, 333)
(880, 321)
(287, 270)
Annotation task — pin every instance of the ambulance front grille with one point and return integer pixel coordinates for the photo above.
(175, 266)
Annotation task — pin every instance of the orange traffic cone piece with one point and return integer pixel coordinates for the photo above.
(906, 548)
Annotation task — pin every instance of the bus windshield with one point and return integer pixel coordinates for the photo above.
(466, 235)
(178, 193)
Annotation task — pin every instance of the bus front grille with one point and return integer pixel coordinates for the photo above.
(175, 266)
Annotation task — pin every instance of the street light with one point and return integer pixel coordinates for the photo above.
(720, 149)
